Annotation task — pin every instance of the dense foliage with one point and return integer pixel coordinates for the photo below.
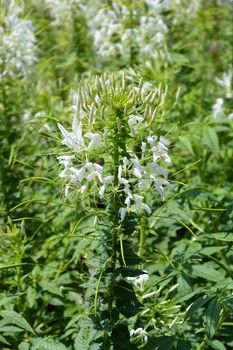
(116, 148)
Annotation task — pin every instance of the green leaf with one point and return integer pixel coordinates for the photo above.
(129, 256)
(10, 329)
(217, 345)
(187, 144)
(24, 346)
(211, 140)
(228, 302)
(15, 318)
(121, 337)
(183, 283)
(186, 295)
(5, 300)
(159, 343)
(51, 287)
(221, 236)
(3, 340)
(124, 291)
(126, 299)
(183, 345)
(207, 272)
(197, 304)
(211, 250)
(47, 344)
(212, 317)
(31, 297)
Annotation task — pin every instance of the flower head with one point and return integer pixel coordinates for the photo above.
(17, 44)
(141, 333)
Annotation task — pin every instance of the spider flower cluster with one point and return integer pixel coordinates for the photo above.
(120, 29)
(60, 10)
(113, 147)
(17, 44)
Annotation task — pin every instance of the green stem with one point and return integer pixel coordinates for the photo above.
(116, 156)
(142, 238)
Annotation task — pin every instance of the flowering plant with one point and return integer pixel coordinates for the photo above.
(114, 162)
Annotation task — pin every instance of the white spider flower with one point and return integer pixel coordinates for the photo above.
(140, 332)
(122, 213)
(66, 161)
(60, 10)
(158, 186)
(138, 169)
(17, 44)
(106, 180)
(95, 141)
(75, 139)
(77, 174)
(140, 205)
(160, 150)
(226, 82)
(94, 170)
(218, 108)
(143, 147)
(133, 121)
(112, 37)
(124, 182)
(140, 280)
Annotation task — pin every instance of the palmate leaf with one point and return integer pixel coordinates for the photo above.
(17, 319)
(212, 317)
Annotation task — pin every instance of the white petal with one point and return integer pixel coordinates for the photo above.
(122, 212)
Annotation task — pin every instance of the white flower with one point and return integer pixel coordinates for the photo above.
(158, 185)
(139, 202)
(17, 44)
(106, 180)
(66, 161)
(95, 170)
(122, 213)
(140, 332)
(75, 139)
(95, 141)
(143, 147)
(140, 280)
(133, 121)
(160, 150)
(60, 10)
(225, 82)
(138, 169)
(218, 108)
(123, 181)
(154, 170)
(77, 174)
